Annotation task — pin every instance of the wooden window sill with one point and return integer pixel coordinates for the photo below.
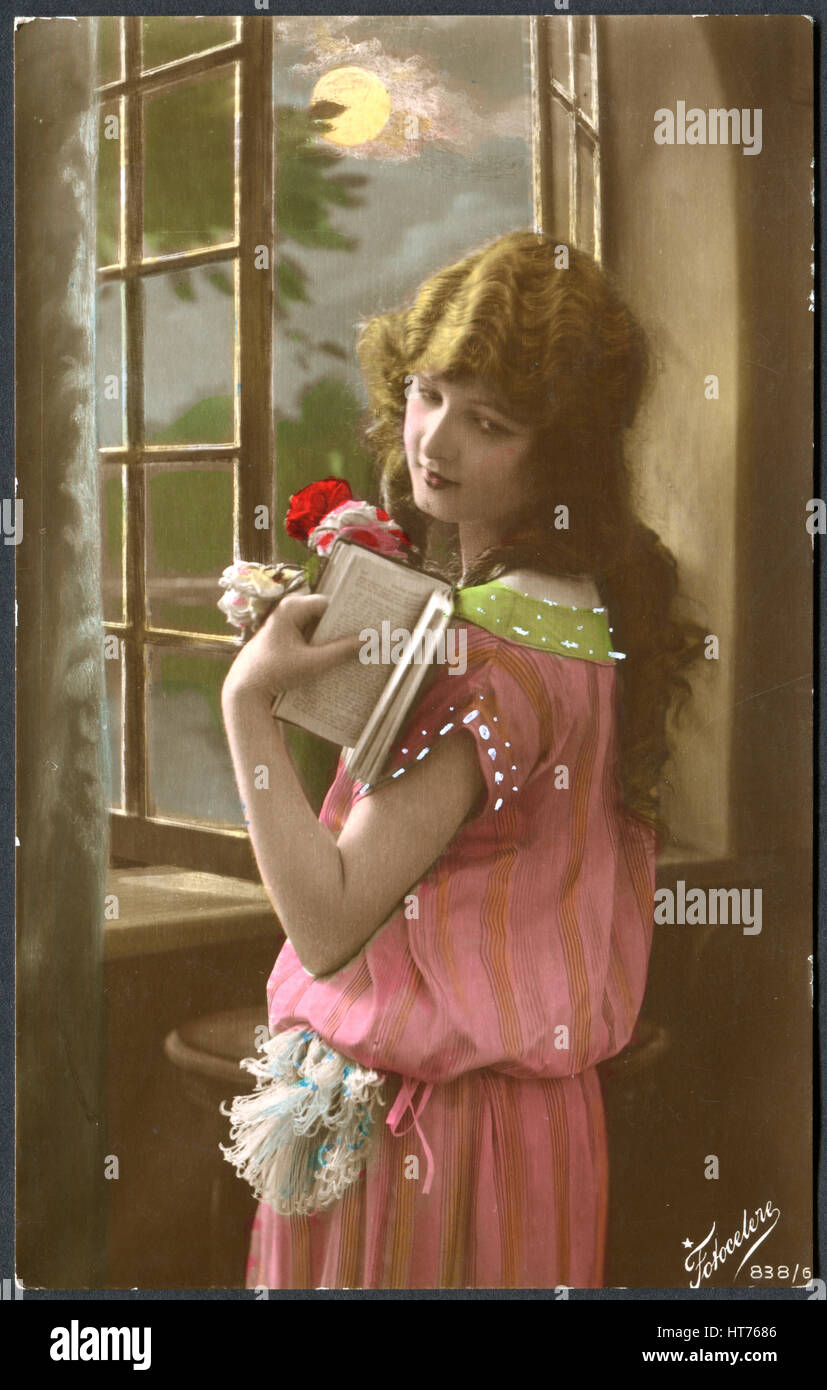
(165, 908)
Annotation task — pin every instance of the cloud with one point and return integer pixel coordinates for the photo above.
(472, 217)
(410, 250)
(301, 28)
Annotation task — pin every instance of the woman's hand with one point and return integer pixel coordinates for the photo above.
(280, 655)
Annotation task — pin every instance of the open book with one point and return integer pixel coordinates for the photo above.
(362, 704)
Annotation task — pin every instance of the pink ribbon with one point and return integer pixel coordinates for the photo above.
(404, 1101)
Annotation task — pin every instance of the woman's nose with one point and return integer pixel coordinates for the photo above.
(440, 438)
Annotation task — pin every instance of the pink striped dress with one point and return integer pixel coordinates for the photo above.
(490, 996)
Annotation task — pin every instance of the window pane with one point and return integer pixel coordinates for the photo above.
(112, 530)
(190, 386)
(189, 541)
(443, 164)
(113, 673)
(164, 40)
(109, 357)
(190, 771)
(585, 193)
(559, 38)
(110, 143)
(560, 169)
(110, 55)
(583, 64)
(189, 175)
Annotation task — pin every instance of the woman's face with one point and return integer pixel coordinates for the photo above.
(465, 455)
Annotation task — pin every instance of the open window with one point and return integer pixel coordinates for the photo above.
(260, 190)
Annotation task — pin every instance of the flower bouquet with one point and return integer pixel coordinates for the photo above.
(319, 515)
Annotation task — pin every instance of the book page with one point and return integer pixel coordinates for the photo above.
(368, 592)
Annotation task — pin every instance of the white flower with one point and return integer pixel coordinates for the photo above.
(252, 590)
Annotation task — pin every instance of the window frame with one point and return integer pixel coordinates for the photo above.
(136, 835)
(556, 41)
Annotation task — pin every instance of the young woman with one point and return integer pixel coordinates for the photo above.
(477, 926)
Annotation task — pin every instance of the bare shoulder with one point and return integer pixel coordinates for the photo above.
(579, 591)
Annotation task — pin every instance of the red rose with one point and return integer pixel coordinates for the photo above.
(308, 506)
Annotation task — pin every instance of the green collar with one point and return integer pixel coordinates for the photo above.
(538, 623)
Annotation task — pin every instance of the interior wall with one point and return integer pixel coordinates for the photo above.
(671, 240)
(771, 59)
(714, 249)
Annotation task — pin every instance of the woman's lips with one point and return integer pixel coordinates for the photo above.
(435, 480)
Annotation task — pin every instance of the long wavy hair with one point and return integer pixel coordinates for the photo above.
(546, 328)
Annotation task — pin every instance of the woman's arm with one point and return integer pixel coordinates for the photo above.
(331, 895)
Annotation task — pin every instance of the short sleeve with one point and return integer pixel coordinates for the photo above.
(496, 701)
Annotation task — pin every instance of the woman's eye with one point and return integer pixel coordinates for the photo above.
(491, 426)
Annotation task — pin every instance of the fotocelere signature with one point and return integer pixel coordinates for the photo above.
(710, 1254)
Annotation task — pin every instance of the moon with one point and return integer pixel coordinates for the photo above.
(367, 101)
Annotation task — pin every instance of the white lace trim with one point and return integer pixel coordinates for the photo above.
(306, 1131)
